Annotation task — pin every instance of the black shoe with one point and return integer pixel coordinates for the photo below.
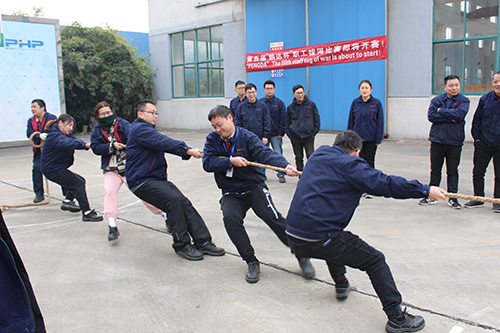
(307, 268)
(190, 253)
(496, 208)
(38, 198)
(282, 179)
(453, 203)
(210, 249)
(474, 204)
(427, 201)
(341, 292)
(406, 323)
(113, 233)
(91, 216)
(253, 272)
(70, 206)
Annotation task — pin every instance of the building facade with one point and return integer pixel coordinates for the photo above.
(199, 48)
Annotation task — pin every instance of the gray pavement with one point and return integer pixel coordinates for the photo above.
(445, 262)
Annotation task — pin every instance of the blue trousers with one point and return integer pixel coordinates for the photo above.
(36, 174)
(277, 144)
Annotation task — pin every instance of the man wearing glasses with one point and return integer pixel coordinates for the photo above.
(253, 114)
(302, 125)
(277, 115)
(147, 178)
(239, 87)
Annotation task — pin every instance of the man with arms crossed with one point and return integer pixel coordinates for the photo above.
(447, 114)
(486, 134)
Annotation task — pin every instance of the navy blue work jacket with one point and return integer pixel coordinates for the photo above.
(216, 159)
(277, 115)
(16, 314)
(99, 141)
(254, 117)
(33, 126)
(329, 190)
(448, 124)
(367, 119)
(235, 102)
(486, 121)
(58, 151)
(146, 148)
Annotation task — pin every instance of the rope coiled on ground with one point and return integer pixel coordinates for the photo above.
(45, 201)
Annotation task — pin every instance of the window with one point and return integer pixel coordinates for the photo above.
(197, 63)
(465, 37)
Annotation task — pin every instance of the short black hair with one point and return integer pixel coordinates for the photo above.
(40, 103)
(250, 86)
(349, 140)
(238, 83)
(219, 110)
(297, 86)
(450, 77)
(269, 82)
(139, 106)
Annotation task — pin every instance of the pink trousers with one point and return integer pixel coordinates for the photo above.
(112, 183)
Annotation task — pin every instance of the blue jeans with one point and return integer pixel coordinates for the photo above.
(277, 144)
(347, 249)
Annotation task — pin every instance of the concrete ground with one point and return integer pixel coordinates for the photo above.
(444, 261)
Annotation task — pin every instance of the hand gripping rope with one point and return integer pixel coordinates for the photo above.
(44, 202)
(446, 194)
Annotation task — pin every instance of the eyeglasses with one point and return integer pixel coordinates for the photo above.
(299, 93)
(154, 113)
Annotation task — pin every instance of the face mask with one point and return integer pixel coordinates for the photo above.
(106, 122)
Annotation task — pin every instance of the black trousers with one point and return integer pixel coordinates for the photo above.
(368, 152)
(36, 173)
(73, 186)
(483, 154)
(299, 145)
(234, 208)
(439, 153)
(347, 249)
(185, 221)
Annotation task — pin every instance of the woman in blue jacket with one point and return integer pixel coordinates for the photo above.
(366, 118)
(57, 156)
(109, 138)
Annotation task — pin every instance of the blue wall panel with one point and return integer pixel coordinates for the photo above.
(139, 40)
(276, 21)
(331, 87)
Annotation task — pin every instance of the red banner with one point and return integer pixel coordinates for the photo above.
(366, 49)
